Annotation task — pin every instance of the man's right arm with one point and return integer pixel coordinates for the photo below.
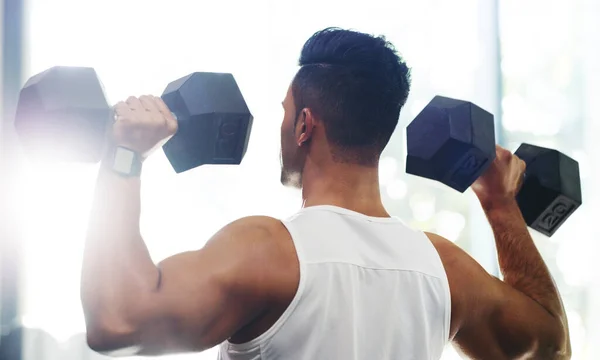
(495, 319)
(521, 317)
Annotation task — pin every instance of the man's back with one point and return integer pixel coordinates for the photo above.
(369, 288)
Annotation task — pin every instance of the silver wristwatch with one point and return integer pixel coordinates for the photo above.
(124, 162)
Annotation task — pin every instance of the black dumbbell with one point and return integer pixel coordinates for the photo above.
(63, 114)
(453, 142)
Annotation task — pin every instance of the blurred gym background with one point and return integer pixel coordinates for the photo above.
(534, 64)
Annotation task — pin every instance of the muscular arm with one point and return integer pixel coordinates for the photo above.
(520, 317)
(520, 262)
(197, 299)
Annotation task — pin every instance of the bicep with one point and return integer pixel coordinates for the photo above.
(205, 296)
(491, 319)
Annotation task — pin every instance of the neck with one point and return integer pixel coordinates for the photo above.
(348, 186)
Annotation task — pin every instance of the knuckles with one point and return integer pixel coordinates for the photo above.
(503, 154)
(142, 122)
(144, 113)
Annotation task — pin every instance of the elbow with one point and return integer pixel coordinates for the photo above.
(564, 351)
(114, 328)
(111, 338)
(564, 341)
(566, 355)
(557, 354)
(98, 340)
(559, 346)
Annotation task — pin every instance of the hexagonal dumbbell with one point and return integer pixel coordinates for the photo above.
(453, 142)
(551, 190)
(214, 121)
(63, 114)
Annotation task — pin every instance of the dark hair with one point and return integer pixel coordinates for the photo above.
(355, 84)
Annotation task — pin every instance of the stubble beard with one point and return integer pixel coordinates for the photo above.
(289, 178)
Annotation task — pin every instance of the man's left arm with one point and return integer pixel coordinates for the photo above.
(188, 302)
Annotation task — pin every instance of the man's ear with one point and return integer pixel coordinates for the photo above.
(305, 126)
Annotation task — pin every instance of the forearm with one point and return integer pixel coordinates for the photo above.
(521, 264)
(117, 267)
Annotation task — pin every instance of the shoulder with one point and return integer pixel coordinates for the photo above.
(441, 243)
(257, 221)
(255, 229)
(453, 257)
(263, 250)
(469, 282)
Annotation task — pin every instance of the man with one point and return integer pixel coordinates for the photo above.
(341, 279)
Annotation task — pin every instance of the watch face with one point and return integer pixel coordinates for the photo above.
(123, 160)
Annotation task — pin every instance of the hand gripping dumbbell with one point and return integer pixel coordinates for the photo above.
(63, 113)
(453, 142)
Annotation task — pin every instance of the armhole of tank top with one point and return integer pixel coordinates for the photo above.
(264, 337)
(448, 319)
(448, 294)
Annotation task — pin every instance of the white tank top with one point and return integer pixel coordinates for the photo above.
(370, 289)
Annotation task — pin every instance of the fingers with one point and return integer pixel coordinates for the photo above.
(522, 168)
(162, 107)
(149, 103)
(502, 153)
(142, 109)
(171, 120)
(123, 111)
(146, 109)
(134, 103)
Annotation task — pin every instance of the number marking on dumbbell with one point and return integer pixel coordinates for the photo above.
(554, 215)
(467, 169)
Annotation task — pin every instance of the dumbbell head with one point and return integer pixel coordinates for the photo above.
(214, 121)
(62, 114)
(551, 191)
(451, 141)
